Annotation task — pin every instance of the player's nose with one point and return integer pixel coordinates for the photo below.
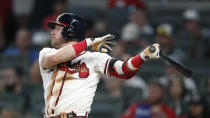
(52, 32)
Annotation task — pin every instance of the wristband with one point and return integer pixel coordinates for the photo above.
(79, 47)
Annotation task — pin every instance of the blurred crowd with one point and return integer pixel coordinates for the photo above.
(158, 90)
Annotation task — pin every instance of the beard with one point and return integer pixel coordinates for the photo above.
(54, 45)
(57, 43)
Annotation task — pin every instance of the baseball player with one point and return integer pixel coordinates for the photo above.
(70, 73)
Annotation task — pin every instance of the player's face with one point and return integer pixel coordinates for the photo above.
(155, 93)
(57, 38)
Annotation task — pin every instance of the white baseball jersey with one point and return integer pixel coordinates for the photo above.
(72, 87)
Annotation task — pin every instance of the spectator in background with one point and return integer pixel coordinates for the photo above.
(127, 92)
(139, 17)
(126, 3)
(100, 27)
(166, 41)
(23, 46)
(131, 35)
(197, 109)
(189, 83)
(35, 76)
(176, 99)
(41, 38)
(13, 84)
(13, 78)
(118, 50)
(22, 10)
(9, 113)
(59, 6)
(152, 107)
(198, 44)
(114, 87)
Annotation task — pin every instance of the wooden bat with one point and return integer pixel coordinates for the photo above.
(181, 68)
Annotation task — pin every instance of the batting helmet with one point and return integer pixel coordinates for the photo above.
(74, 26)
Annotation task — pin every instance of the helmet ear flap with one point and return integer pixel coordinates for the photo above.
(67, 33)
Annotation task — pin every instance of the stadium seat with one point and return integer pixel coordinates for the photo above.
(8, 100)
(105, 107)
(36, 98)
(152, 69)
(199, 66)
(86, 12)
(116, 18)
(15, 61)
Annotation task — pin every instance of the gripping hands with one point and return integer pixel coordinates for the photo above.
(151, 52)
(101, 43)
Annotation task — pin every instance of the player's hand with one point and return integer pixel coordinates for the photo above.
(101, 43)
(151, 53)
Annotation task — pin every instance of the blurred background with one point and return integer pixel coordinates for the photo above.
(182, 27)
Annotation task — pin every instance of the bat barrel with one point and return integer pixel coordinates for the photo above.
(185, 71)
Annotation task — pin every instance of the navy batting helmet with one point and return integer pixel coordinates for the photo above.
(74, 26)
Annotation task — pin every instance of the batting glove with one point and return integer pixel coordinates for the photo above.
(101, 43)
(151, 52)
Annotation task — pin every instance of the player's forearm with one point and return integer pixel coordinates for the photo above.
(63, 54)
(125, 69)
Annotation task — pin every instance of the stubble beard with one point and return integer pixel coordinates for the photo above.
(55, 44)
(58, 44)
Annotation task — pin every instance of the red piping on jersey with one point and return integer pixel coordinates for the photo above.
(61, 88)
(106, 66)
(66, 69)
(86, 115)
(79, 55)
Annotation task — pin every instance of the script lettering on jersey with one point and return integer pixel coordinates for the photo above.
(78, 67)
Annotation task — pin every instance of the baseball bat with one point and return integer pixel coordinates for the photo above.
(181, 68)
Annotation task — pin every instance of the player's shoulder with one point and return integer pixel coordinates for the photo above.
(47, 49)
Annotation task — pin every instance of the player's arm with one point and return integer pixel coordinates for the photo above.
(70, 51)
(127, 69)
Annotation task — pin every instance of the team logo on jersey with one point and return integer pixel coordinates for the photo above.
(78, 67)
